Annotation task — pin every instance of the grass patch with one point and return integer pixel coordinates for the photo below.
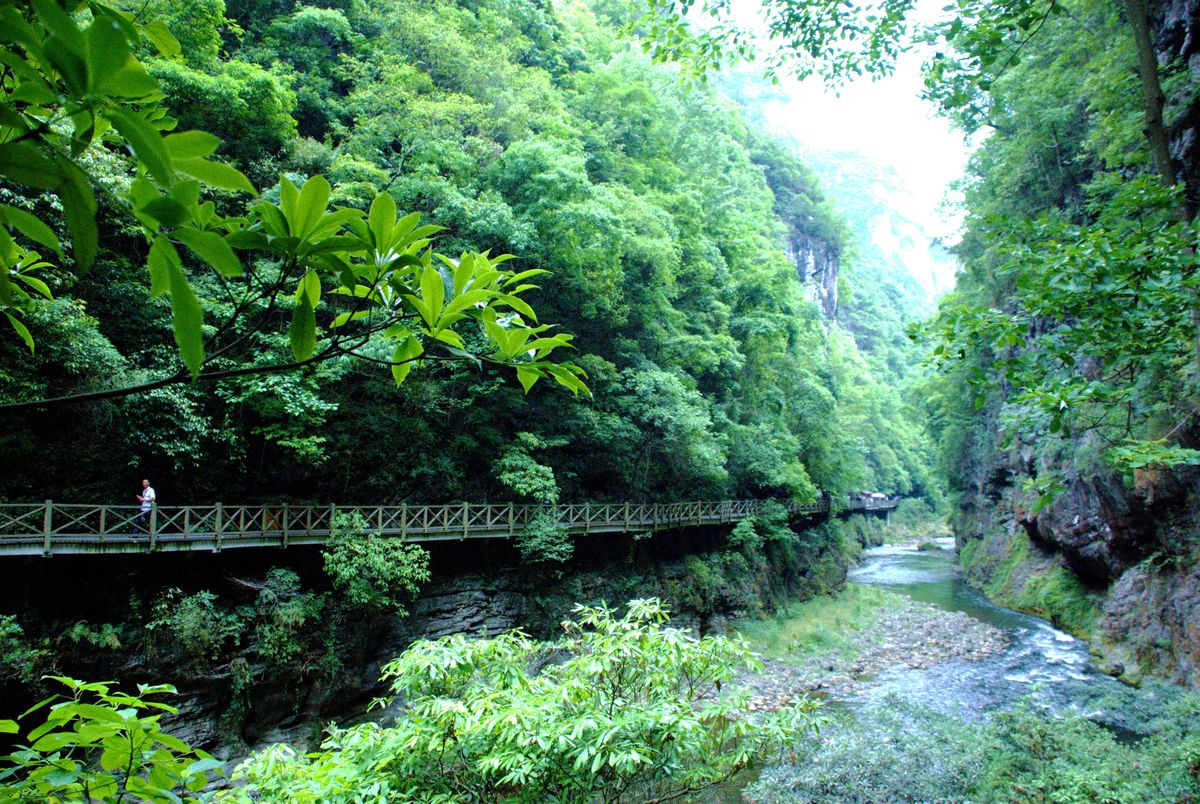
(822, 625)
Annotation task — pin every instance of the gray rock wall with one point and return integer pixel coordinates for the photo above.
(817, 263)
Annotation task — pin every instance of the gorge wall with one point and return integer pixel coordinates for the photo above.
(1114, 559)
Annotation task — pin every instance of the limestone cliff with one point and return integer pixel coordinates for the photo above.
(816, 260)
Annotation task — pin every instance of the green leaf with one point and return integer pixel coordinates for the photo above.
(382, 219)
(185, 307)
(191, 145)
(309, 286)
(107, 51)
(23, 164)
(79, 207)
(167, 211)
(310, 206)
(528, 377)
(146, 141)
(35, 283)
(31, 226)
(433, 292)
(403, 357)
(302, 332)
(22, 331)
(161, 37)
(8, 727)
(212, 248)
(216, 174)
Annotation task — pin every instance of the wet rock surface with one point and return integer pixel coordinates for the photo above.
(916, 635)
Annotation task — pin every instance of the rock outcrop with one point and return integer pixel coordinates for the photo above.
(817, 263)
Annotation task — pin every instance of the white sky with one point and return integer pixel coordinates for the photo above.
(886, 121)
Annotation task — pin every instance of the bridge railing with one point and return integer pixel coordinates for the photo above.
(47, 528)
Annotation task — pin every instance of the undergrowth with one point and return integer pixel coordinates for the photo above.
(823, 625)
(1046, 589)
(900, 751)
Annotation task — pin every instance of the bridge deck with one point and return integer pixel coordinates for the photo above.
(51, 528)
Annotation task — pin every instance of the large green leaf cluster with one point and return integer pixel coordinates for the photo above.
(97, 743)
(621, 708)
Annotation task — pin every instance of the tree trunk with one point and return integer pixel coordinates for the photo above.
(1155, 129)
(1152, 95)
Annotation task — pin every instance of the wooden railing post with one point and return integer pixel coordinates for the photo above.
(587, 517)
(103, 511)
(466, 518)
(284, 526)
(153, 524)
(47, 523)
(511, 518)
(218, 523)
(404, 521)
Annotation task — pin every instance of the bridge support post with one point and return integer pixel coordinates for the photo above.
(511, 517)
(153, 525)
(284, 526)
(404, 521)
(218, 524)
(466, 519)
(47, 522)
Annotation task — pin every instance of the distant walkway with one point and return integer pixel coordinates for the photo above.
(49, 528)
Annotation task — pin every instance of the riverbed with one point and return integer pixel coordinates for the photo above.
(953, 653)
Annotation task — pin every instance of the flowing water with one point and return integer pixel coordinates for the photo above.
(1040, 660)
(1041, 663)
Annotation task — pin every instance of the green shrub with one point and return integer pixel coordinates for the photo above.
(621, 708)
(373, 571)
(283, 612)
(542, 541)
(19, 659)
(193, 625)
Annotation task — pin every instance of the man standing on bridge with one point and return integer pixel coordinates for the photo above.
(146, 500)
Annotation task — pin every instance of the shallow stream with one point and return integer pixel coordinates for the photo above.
(1040, 660)
(1040, 664)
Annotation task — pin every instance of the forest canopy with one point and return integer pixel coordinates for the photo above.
(661, 216)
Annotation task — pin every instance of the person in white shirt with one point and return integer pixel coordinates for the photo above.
(146, 501)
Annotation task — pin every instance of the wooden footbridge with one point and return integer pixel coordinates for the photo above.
(50, 528)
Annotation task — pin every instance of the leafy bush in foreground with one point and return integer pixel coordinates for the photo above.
(622, 709)
(97, 744)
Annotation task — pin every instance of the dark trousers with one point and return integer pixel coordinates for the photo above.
(142, 523)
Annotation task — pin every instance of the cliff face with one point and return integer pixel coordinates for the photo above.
(1117, 563)
(816, 262)
(1106, 562)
